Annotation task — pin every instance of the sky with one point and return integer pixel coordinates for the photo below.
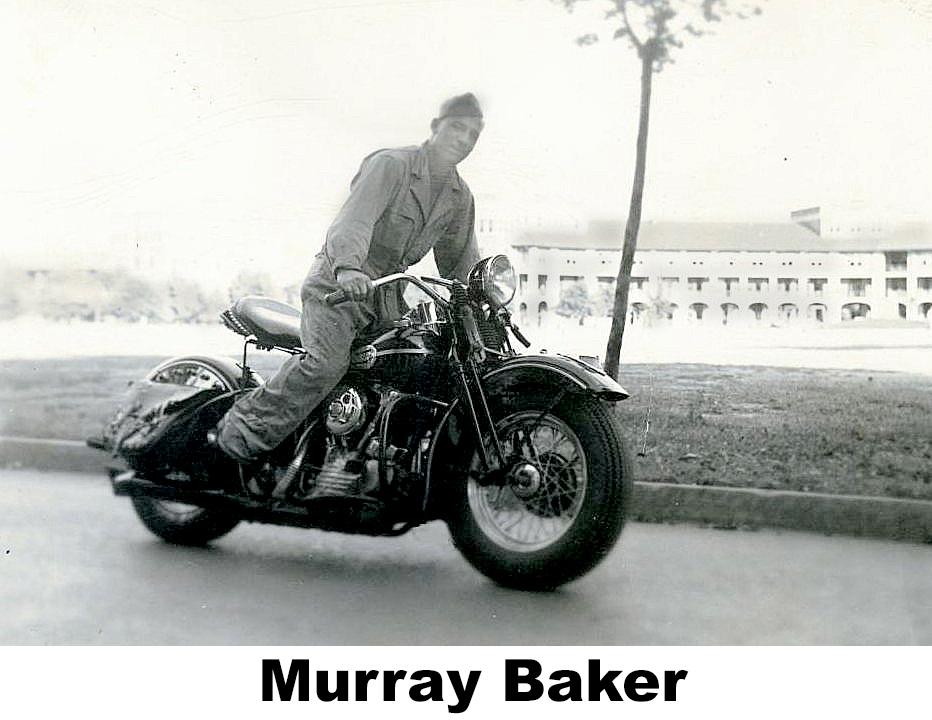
(212, 135)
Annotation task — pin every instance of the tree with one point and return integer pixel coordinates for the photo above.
(653, 28)
(252, 282)
(188, 303)
(575, 302)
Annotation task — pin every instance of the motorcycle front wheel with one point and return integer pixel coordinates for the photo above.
(563, 504)
(174, 522)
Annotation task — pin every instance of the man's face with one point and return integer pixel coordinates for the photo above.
(455, 136)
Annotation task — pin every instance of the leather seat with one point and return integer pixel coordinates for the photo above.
(276, 324)
(273, 323)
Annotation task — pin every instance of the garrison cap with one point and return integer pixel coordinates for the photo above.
(464, 105)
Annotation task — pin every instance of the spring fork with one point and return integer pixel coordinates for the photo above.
(474, 416)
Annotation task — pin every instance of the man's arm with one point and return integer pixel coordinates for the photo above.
(372, 190)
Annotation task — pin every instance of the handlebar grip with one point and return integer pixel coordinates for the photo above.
(336, 297)
(523, 340)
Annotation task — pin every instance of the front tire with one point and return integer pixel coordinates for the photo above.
(179, 523)
(560, 516)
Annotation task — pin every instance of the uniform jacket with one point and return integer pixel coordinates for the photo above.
(387, 223)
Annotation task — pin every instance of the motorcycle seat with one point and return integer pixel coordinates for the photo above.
(276, 324)
(272, 323)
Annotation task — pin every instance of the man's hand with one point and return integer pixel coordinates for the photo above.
(355, 283)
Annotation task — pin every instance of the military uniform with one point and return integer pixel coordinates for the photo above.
(387, 223)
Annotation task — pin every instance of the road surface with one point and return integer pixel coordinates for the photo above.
(78, 568)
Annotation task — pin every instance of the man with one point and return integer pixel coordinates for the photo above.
(403, 202)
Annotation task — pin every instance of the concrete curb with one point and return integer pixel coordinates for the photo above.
(725, 507)
(715, 506)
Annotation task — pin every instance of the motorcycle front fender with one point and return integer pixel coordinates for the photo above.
(554, 371)
(558, 372)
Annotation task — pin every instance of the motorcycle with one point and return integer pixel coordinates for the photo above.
(437, 418)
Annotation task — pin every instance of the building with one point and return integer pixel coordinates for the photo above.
(734, 273)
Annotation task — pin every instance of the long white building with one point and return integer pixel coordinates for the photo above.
(733, 273)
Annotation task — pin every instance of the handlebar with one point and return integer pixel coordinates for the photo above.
(340, 296)
(424, 283)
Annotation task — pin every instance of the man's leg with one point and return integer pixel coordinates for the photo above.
(260, 420)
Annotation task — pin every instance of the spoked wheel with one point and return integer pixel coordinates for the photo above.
(175, 522)
(199, 372)
(543, 498)
(560, 504)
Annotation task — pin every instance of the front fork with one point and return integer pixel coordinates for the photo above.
(471, 388)
(481, 422)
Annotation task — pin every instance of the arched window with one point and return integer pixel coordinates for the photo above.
(816, 311)
(729, 312)
(638, 311)
(698, 310)
(759, 309)
(853, 311)
(788, 311)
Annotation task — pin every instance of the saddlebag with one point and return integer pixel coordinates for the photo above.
(153, 417)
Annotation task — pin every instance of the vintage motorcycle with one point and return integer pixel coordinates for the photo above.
(438, 418)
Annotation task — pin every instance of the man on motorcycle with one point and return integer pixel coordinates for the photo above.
(403, 202)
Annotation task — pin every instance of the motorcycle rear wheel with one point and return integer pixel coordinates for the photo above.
(562, 522)
(179, 523)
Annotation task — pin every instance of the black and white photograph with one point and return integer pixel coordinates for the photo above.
(437, 355)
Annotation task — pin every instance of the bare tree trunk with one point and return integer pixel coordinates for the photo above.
(633, 223)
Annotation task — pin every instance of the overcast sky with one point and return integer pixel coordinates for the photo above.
(226, 131)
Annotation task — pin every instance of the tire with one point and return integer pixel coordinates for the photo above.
(553, 530)
(179, 523)
(182, 524)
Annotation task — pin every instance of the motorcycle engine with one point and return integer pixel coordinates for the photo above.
(347, 411)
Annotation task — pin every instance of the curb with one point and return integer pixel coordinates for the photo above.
(657, 502)
(724, 507)
(15, 455)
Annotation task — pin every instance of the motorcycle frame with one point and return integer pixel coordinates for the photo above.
(466, 356)
(463, 355)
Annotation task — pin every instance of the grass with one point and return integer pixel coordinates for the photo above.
(834, 431)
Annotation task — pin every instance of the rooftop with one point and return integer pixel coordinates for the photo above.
(730, 237)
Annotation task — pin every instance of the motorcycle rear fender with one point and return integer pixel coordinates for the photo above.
(171, 431)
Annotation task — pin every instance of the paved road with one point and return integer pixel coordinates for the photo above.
(77, 568)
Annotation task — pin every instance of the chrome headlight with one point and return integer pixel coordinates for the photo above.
(493, 278)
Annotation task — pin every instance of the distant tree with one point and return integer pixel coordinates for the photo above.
(188, 303)
(293, 294)
(73, 295)
(130, 297)
(12, 302)
(575, 302)
(604, 300)
(659, 309)
(252, 282)
(653, 28)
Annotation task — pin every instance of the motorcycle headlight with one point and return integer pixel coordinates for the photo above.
(493, 277)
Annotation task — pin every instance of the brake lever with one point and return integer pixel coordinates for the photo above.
(517, 333)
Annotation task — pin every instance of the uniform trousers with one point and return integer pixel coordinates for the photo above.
(262, 418)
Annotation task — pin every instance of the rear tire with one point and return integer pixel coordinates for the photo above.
(182, 524)
(571, 511)
(179, 523)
